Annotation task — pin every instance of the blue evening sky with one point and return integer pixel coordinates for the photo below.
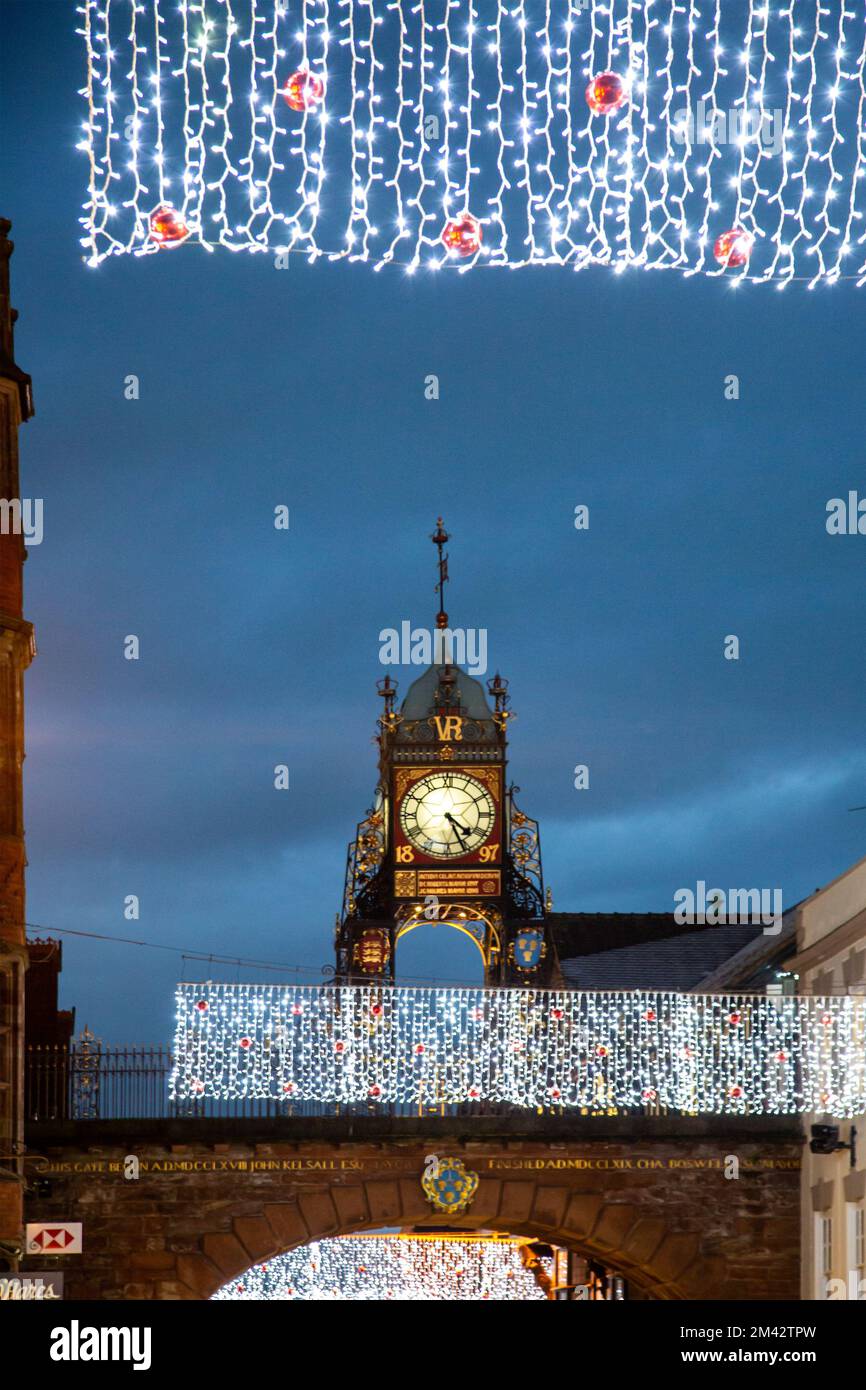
(258, 647)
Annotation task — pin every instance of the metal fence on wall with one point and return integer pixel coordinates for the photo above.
(87, 1082)
(121, 1083)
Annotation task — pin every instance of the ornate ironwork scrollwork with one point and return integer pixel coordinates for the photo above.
(524, 883)
(86, 1059)
(364, 863)
(481, 921)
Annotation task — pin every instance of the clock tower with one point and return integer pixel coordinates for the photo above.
(444, 841)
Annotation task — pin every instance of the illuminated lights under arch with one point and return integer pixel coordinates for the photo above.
(405, 1268)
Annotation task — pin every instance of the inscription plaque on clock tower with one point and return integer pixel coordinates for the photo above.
(444, 841)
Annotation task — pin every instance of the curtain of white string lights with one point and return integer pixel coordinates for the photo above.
(717, 136)
(637, 1050)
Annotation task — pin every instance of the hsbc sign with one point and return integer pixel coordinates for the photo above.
(54, 1238)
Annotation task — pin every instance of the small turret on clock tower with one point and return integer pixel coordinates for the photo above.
(444, 841)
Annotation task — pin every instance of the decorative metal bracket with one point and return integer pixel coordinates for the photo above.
(523, 876)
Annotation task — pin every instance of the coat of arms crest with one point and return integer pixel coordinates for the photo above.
(448, 1185)
(528, 949)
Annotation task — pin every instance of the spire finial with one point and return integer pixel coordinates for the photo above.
(440, 539)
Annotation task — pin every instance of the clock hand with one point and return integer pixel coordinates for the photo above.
(457, 827)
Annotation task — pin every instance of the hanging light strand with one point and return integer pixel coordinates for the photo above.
(729, 140)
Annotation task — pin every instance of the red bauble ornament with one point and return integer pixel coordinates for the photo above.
(303, 90)
(650, 1015)
(245, 1043)
(735, 1092)
(734, 248)
(606, 93)
(202, 1006)
(167, 227)
(463, 235)
(734, 1018)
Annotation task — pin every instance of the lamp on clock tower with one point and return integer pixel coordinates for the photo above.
(444, 841)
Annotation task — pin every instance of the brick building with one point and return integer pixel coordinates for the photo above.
(16, 651)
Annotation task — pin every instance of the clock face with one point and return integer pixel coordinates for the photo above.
(447, 815)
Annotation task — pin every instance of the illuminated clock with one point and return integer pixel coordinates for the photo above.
(447, 815)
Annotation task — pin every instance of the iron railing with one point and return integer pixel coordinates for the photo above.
(87, 1082)
(82, 1083)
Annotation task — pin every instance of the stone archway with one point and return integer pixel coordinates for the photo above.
(658, 1211)
(659, 1262)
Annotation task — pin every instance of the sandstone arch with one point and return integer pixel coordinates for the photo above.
(658, 1211)
(656, 1260)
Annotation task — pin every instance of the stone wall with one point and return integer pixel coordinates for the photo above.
(661, 1212)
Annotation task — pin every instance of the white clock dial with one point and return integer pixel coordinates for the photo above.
(447, 814)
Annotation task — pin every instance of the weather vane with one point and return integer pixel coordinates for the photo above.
(440, 539)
